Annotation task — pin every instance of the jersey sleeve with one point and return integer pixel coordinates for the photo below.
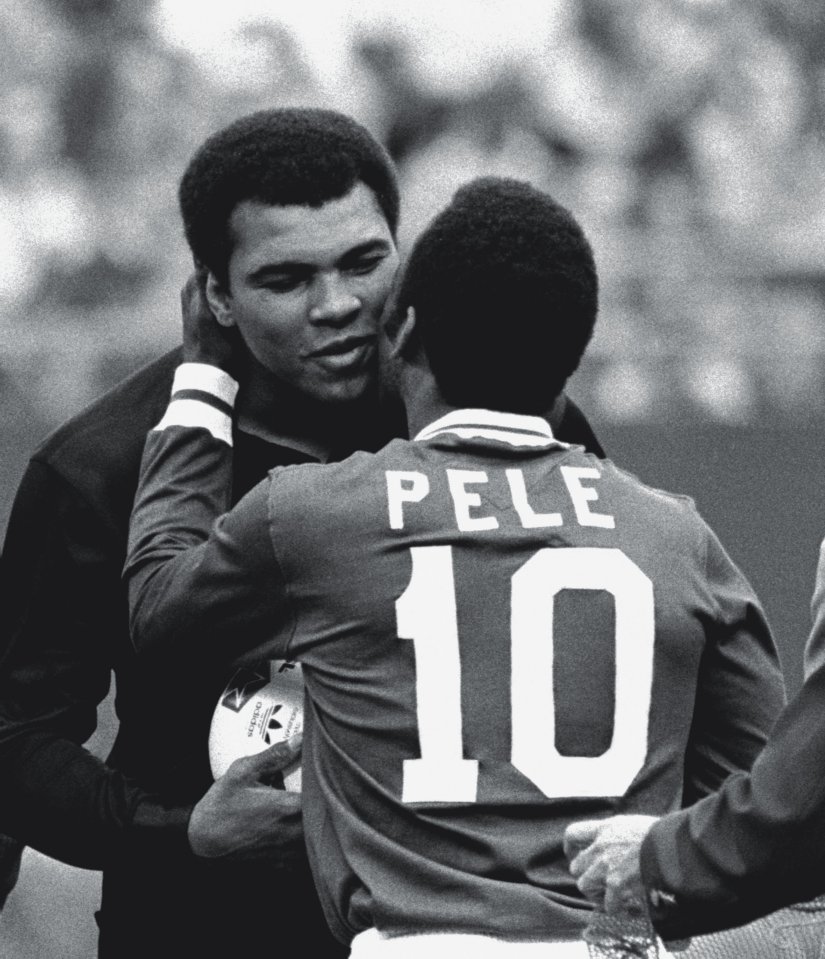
(756, 845)
(202, 579)
(740, 689)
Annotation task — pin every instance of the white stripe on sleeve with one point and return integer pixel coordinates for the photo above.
(195, 413)
(210, 379)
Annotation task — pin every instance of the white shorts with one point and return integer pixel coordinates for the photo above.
(371, 944)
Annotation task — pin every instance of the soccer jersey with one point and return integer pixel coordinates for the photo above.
(500, 634)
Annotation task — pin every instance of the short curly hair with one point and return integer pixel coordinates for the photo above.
(284, 157)
(504, 285)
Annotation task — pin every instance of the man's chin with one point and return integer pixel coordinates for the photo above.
(347, 391)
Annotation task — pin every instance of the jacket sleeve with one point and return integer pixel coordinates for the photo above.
(61, 605)
(756, 845)
(740, 689)
(198, 579)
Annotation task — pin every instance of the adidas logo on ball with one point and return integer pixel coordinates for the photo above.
(256, 711)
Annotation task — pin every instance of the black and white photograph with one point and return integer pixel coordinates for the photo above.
(413, 422)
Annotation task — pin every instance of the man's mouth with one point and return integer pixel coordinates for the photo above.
(347, 352)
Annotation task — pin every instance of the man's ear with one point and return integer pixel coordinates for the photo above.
(220, 302)
(404, 333)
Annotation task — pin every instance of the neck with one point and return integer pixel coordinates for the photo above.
(423, 403)
(272, 409)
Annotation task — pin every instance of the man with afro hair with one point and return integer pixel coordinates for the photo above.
(501, 257)
(498, 630)
(281, 158)
(291, 217)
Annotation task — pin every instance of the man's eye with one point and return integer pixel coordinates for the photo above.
(283, 284)
(365, 265)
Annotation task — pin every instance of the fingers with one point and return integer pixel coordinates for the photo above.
(583, 846)
(280, 755)
(240, 819)
(591, 884)
(579, 835)
(589, 869)
(193, 295)
(585, 859)
(287, 807)
(605, 861)
(260, 765)
(208, 335)
(279, 807)
(621, 899)
(585, 867)
(194, 288)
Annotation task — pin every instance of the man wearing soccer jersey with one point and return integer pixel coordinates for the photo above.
(498, 630)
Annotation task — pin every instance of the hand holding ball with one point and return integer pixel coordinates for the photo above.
(256, 711)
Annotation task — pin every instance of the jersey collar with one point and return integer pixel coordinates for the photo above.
(516, 429)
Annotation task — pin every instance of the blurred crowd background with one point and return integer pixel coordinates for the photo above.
(688, 136)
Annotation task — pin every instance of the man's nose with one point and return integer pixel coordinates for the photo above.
(333, 301)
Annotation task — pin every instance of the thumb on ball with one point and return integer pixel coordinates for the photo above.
(281, 754)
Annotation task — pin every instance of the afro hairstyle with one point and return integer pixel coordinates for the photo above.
(504, 286)
(285, 157)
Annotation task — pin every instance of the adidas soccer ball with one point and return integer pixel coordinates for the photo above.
(256, 711)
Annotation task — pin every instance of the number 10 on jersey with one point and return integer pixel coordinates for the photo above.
(426, 614)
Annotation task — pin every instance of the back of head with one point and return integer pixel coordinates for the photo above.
(295, 156)
(504, 286)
